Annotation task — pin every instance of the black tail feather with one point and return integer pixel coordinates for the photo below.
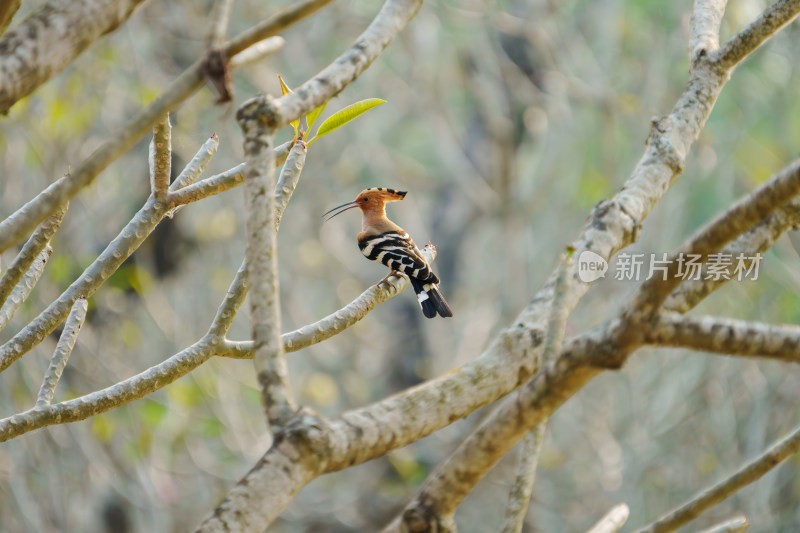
(430, 299)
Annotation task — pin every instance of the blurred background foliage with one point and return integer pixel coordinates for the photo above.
(506, 121)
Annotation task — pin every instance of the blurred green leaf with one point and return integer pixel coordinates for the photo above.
(153, 413)
(345, 115)
(312, 117)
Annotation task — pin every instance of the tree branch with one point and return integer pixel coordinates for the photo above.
(521, 489)
(756, 33)
(705, 23)
(62, 352)
(7, 11)
(749, 473)
(261, 254)
(24, 287)
(726, 227)
(21, 222)
(287, 182)
(69, 27)
(613, 520)
(734, 525)
(726, 336)
(36, 243)
(160, 159)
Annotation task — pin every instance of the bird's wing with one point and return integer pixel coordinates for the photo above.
(397, 251)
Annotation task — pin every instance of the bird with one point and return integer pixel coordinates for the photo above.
(385, 242)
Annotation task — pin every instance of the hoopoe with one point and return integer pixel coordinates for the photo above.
(384, 241)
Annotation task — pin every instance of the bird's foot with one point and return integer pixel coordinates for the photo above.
(385, 280)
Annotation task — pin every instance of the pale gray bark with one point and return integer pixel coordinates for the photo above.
(50, 39)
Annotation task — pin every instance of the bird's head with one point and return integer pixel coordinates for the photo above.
(370, 199)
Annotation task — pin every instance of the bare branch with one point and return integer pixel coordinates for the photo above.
(24, 287)
(62, 352)
(275, 24)
(22, 222)
(756, 33)
(705, 23)
(261, 253)
(197, 165)
(36, 243)
(743, 216)
(257, 52)
(521, 489)
(234, 299)
(161, 159)
(143, 383)
(69, 27)
(123, 245)
(335, 77)
(290, 175)
(757, 240)
(613, 520)
(220, 14)
(7, 11)
(706, 499)
(734, 525)
(726, 336)
(219, 183)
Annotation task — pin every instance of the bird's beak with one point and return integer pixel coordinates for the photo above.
(343, 207)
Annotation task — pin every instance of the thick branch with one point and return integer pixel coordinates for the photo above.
(50, 39)
(261, 253)
(726, 336)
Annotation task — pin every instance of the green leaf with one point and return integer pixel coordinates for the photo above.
(312, 117)
(345, 115)
(286, 90)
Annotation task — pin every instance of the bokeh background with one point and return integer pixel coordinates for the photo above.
(506, 121)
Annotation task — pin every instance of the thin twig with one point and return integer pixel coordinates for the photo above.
(22, 222)
(531, 447)
(24, 287)
(257, 52)
(66, 343)
(35, 244)
(197, 165)
(747, 474)
(220, 14)
(287, 182)
(734, 525)
(726, 227)
(756, 33)
(613, 520)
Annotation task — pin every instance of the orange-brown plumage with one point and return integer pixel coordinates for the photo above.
(384, 241)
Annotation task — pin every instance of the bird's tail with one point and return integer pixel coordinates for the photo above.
(430, 299)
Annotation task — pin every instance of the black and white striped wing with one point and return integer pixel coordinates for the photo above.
(398, 252)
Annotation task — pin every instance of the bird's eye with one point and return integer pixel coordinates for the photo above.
(366, 199)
